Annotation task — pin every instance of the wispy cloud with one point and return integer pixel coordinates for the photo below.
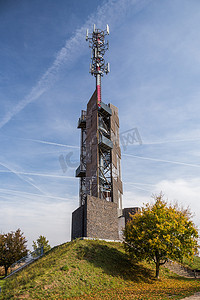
(171, 141)
(12, 170)
(112, 11)
(25, 194)
(185, 191)
(37, 174)
(162, 160)
(139, 188)
(38, 217)
(51, 143)
(138, 183)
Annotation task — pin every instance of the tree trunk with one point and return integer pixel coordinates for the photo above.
(157, 269)
(6, 270)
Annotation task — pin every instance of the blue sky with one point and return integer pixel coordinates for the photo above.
(45, 82)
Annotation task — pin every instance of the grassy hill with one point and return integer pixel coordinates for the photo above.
(85, 269)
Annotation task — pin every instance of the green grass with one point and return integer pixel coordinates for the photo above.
(2, 283)
(85, 269)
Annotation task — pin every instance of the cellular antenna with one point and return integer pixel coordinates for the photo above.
(99, 46)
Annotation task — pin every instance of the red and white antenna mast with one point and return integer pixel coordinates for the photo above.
(99, 46)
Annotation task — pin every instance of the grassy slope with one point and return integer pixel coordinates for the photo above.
(195, 264)
(94, 270)
(2, 283)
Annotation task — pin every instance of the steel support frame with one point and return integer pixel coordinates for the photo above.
(105, 161)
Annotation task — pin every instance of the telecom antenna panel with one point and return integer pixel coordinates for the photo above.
(99, 46)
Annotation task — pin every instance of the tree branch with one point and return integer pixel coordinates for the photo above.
(162, 263)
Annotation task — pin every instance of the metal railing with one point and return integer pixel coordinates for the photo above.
(26, 260)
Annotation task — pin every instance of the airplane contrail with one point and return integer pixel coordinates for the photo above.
(162, 160)
(171, 141)
(51, 143)
(11, 170)
(14, 192)
(37, 174)
(139, 188)
(112, 11)
(138, 183)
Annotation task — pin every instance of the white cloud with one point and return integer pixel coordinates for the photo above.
(185, 192)
(51, 219)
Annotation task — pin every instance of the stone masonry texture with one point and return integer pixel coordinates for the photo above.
(96, 219)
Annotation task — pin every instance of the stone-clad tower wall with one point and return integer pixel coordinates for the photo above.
(116, 159)
(97, 216)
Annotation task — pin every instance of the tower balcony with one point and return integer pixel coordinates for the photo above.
(105, 110)
(105, 143)
(82, 120)
(81, 171)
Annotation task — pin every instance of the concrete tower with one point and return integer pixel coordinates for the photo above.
(100, 198)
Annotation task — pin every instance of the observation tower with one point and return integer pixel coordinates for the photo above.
(100, 213)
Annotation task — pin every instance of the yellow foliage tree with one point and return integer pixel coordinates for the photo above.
(160, 232)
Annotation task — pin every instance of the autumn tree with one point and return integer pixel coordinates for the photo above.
(12, 248)
(42, 242)
(160, 232)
